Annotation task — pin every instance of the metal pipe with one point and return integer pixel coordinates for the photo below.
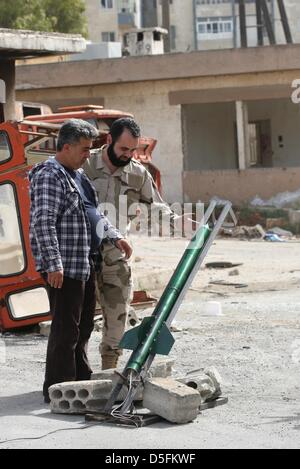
(195, 24)
(169, 297)
(234, 23)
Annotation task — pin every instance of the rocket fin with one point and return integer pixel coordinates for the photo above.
(164, 342)
(132, 338)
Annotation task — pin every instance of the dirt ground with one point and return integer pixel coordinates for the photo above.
(254, 344)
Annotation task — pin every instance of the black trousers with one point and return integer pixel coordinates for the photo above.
(73, 309)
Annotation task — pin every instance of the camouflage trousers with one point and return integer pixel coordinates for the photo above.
(114, 293)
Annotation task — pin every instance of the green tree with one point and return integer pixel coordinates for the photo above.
(68, 15)
(65, 16)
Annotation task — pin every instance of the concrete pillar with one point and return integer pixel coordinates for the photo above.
(242, 134)
(2, 100)
(166, 24)
(8, 74)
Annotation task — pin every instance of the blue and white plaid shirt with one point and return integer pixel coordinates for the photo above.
(60, 232)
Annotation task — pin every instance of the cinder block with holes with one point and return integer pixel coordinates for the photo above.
(78, 397)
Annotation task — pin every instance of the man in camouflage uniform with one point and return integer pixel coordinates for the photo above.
(113, 173)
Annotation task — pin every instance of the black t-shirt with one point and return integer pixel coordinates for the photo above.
(89, 201)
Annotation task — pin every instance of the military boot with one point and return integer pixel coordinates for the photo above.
(109, 360)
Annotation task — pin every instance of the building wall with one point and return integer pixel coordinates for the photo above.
(182, 19)
(285, 122)
(240, 187)
(293, 13)
(159, 120)
(150, 105)
(210, 133)
(101, 20)
(145, 86)
(209, 136)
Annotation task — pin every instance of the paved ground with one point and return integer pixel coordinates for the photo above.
(255, 345)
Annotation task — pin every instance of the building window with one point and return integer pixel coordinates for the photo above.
(107, 3)
(108, 37)
(214, 28)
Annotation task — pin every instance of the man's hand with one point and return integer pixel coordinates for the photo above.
(55, 279)
(125, 247)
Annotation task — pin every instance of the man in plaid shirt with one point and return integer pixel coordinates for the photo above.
(66, 229)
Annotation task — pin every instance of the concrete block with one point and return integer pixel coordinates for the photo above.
(206, 382)
(78, 397)
(45, 327)
(161, 368)
(132, 319)
(201, 383)
(215, 376)
(171, 400)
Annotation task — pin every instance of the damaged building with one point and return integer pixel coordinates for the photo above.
(203, 108)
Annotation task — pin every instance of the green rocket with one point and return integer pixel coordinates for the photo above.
(153, 336)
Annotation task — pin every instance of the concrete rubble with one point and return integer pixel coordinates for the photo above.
(172, 400)
(206, 381)
(244, 232)
(82, 396)
(175, 399)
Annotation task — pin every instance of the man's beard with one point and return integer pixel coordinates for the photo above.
(114, 159)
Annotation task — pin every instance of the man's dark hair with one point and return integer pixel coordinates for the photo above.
(120, 125)
(73, 130)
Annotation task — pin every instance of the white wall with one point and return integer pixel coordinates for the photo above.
(209, 133)
(285, 122)
(158, 120)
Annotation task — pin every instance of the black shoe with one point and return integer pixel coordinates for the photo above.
(47, 399)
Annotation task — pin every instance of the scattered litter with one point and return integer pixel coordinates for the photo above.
(221, 265)
(244, 232)
(273, 238)
(280, 232)
(212, 308)
(234, 272)
(175, 328)
(214, 292)
(228, 284)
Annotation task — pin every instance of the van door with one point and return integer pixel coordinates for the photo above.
(20, 284)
